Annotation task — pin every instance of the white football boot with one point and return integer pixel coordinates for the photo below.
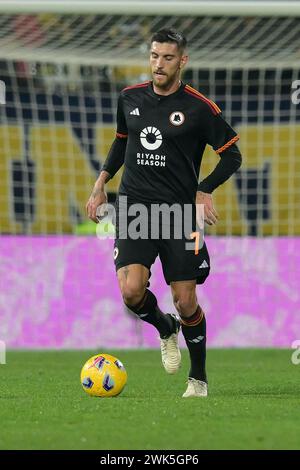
(170, 352)
(195, 388)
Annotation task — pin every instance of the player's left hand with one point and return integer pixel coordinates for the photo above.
(210, 214)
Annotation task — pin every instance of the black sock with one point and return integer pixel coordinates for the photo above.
(148, 310)
(194, 332)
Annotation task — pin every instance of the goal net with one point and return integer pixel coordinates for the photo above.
(63, 72)
(62, 66)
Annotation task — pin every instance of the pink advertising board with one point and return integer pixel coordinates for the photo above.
(62, 292)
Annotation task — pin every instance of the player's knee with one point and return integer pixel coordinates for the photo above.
(132, 292)
(185, 303)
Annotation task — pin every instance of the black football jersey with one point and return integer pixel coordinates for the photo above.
(166, 138)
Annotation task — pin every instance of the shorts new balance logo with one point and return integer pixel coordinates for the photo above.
(203, 265)
(135, 112)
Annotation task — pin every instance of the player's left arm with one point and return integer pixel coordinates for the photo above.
(223, 139)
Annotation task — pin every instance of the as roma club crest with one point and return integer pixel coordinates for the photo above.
(177, 118)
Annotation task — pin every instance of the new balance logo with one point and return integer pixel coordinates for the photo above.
(196, 340)
(203, 265)
(135, 112)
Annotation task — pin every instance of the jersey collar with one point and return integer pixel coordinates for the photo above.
(163, 97)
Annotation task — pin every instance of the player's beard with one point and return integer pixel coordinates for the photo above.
(167, 83)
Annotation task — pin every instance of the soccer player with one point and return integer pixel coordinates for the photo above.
(163, 126)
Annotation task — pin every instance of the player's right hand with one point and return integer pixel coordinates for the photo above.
(97, 200)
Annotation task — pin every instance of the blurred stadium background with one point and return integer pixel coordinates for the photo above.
(63, 65)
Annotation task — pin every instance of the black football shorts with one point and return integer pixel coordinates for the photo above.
(179, 258)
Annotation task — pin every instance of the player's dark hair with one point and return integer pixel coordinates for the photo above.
(170, 35)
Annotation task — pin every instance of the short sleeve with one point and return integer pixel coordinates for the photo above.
(218, 132)
(122, 130)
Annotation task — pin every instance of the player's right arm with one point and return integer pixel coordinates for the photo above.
(112, 164)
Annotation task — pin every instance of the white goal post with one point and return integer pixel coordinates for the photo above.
(162, 7)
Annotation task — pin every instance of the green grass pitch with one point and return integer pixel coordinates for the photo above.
(253, 403)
